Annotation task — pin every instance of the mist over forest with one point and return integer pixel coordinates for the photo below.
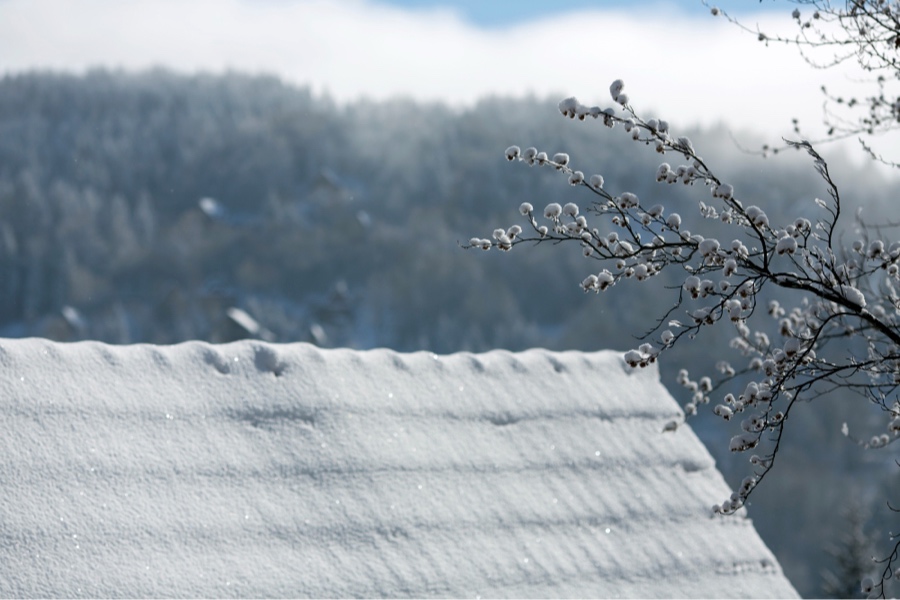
(160, 208)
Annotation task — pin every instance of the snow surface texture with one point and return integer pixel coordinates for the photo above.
(264, 470)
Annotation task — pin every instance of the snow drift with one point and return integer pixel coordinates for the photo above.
(253, 469)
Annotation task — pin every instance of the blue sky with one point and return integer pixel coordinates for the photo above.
(500, 13)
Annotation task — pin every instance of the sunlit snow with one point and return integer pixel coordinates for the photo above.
(262, 470)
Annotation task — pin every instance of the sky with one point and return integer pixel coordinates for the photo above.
(675, 58)
(499, 13)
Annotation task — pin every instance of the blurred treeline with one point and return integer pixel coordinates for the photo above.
(159, 208)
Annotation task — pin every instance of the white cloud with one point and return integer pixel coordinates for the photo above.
(692, 69)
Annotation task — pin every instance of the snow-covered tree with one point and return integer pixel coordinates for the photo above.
(852, 555)
(836, 329)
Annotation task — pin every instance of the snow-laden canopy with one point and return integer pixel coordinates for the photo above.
(253, 469)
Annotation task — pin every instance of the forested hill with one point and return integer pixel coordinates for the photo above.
(147, 207)
(143, 207)
(156, 207)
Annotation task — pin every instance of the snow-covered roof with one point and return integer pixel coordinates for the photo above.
(253, 469)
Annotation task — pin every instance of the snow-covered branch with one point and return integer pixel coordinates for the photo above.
(865, 32)
(840, 331)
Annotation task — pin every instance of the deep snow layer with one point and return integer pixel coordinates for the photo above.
(252, 469)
